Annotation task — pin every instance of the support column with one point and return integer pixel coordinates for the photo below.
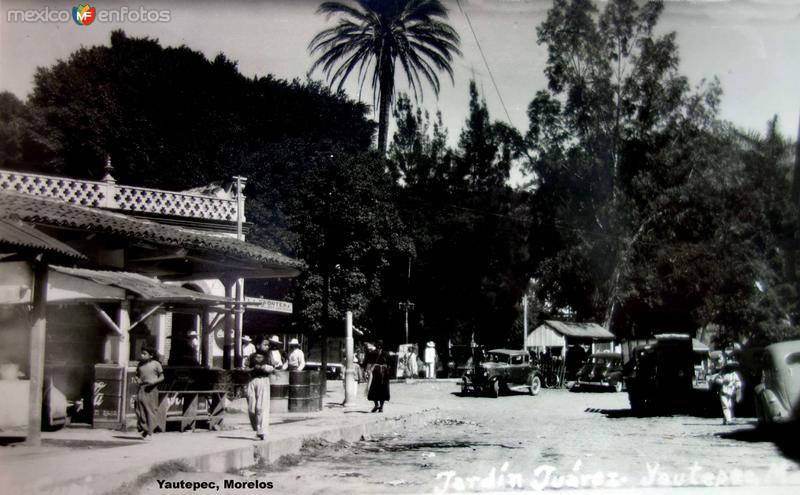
(237, 336)
(37, 343)
(207, 337)
(120, 344)
(159, 330)
(230, 293)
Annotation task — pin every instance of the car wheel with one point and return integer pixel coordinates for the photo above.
(495, 389)
(618, 386)
(536, 385)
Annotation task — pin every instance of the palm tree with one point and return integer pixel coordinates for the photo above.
(374, 35)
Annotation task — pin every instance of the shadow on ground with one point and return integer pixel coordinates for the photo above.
(783, 436)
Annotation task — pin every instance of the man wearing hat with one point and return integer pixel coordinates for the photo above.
(274, 355)
(430, 360)
(247, 347)
(296, 360)
(258, 388)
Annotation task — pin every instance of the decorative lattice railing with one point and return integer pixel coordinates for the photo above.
(108, 194)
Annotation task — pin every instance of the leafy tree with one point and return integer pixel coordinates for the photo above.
(419, 155)
(650, 213)
(160, 112)
(374, 36)
(468, 227)
(22, 147)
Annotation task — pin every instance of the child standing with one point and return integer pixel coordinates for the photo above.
(149, 374)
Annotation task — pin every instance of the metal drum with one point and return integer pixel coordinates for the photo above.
(279, 391)
(304, 391)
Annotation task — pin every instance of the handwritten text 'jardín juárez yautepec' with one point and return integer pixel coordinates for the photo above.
(548, 477)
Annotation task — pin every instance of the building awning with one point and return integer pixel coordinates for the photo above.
(146, 288)
(19, 235)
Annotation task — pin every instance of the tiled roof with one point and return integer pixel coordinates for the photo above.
(18, 234)
(53, 212)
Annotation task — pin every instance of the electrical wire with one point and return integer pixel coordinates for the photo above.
(485, 62)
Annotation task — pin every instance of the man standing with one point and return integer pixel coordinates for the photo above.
(247, 348)
(258, 389)
(274, 356)
(430, 360)
(296, 360)
(730, 386)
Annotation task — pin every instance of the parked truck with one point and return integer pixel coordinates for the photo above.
(658, 373)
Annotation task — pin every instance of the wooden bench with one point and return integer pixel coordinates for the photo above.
(188, 407)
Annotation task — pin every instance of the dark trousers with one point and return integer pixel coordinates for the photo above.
(147, 408)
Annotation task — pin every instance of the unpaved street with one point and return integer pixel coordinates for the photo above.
(557, 439)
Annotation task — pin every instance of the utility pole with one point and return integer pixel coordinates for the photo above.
(350, 386)
(525, 322)
(405, 306)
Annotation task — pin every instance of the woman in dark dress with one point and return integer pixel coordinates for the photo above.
(379, 382)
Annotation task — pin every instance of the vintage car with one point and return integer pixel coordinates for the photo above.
(502, 370)
(778, 394)
(603, 369)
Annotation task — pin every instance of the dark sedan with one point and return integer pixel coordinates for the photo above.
(603, 369)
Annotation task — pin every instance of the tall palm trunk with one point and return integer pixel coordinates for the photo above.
(386, 90)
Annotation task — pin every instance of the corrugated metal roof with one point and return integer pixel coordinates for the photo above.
(149, 289)
(585, 330)
(47, 211)
(16, 233)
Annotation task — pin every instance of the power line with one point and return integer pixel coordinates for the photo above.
(485, 62)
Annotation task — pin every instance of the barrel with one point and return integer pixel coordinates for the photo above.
(279, 391)
(304, 391)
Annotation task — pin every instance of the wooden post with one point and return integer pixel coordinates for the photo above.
(206, 336)
(237, 328)
(37, 348)
(121, 343)
(160, 332)
(228, 340)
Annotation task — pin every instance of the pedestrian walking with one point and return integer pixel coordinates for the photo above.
(149, 374)
(379, 382)
(296, 360)
(258, 389)
(730, 387)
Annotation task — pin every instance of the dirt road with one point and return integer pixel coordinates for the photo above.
(558, 439)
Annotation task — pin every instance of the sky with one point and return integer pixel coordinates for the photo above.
(750, 45)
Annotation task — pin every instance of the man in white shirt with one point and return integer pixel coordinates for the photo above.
(247, 347)
(296, 360)
(430, 360)
(274, 355)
